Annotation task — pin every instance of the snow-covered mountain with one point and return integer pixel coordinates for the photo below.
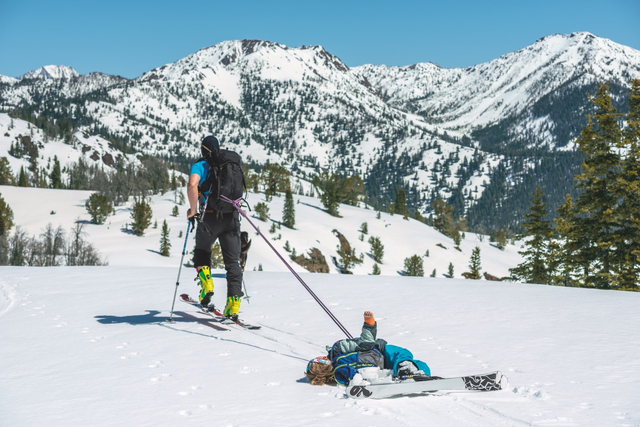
(489, 93)
(51, 72)
(431, 131)
(7, 79)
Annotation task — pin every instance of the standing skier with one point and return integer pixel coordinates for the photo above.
(217, 173)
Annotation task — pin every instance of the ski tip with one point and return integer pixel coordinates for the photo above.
(502, 380)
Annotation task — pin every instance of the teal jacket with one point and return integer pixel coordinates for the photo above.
(366, 341)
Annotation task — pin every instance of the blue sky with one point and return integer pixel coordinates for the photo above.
(128, 38)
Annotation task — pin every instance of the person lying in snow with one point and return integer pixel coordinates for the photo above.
(346, 357)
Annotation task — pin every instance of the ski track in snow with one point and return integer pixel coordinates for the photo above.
(10, 297)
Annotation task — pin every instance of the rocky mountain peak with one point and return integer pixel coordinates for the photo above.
(51, 72)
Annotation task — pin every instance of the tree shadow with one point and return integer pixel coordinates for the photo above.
(315, 207)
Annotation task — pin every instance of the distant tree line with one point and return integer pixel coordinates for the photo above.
(53, 247)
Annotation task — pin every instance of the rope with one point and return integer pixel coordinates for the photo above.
(236, 204)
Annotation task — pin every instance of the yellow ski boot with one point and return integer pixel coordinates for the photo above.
(204, 274)
(232, 308)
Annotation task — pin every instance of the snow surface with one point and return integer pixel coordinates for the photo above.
(91, 345)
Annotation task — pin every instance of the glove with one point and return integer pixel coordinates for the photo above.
(193, 220)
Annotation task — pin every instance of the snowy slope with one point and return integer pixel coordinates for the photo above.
(91, 346)
(92, 149)
(401, 238)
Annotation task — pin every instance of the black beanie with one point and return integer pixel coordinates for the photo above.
(209, 145)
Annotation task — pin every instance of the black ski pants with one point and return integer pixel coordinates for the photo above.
(226, 229)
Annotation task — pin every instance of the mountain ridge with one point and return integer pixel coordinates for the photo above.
(51, 72)
(434, 132)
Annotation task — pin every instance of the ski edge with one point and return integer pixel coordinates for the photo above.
(411, 386)
(218, 315)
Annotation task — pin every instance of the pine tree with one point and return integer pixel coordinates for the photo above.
(537, 236)
(377, 249)
(450, 271)
(276, 178)
(6, 217)
(22, 178)
(474, 264)
(597, 200)
(413, 266)
(99, 207)
(175, 211)
(364, 228)
(401, 203)
(141, 215)
(6, 175)
(501, 239)
(443, 217)
(288, 213)
(165, 241)
(347, 254)
(628, 211)
(262, 210)
(376, 270)
(331, 189)
(564, 268)
(56, 175)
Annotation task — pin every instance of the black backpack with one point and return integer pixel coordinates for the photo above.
(225, 179)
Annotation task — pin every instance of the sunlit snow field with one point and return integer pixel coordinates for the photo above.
(91, 346)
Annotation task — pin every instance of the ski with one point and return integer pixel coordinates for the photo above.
(216, 314)
(484, 382)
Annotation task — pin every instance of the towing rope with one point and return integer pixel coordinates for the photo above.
(236, 204)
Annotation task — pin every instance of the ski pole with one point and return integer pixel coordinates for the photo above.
(246, 294)
(236, 204)
(184, 249)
